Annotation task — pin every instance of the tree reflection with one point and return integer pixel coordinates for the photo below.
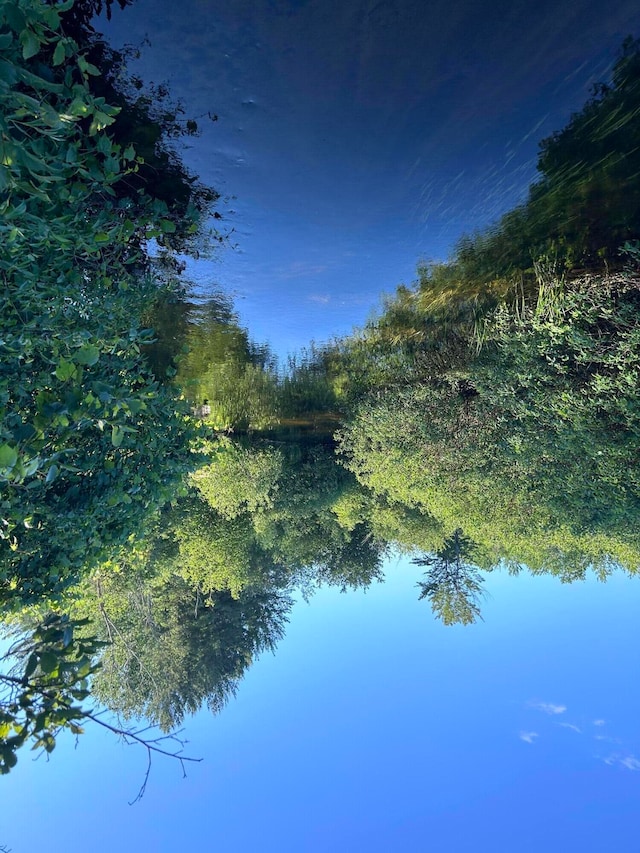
(453, 583)
(171, 651)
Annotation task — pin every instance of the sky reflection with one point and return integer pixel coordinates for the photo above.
(359, 138)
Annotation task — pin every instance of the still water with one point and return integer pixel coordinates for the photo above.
(418, 632)
(355, 139)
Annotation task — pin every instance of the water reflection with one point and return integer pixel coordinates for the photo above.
(171, 649)
(275, 510)
(280, 501)
(173, 490)
(453, 584)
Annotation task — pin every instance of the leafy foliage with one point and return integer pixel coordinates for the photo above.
(586, 202)
(46, 696)
(90, 442)
(499, 395)
(169, 649)
(240, 479)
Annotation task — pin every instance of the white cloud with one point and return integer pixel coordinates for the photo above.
(300, 269)
(320, 298)
(528, 737)
(571, 726)
(629, 762)
(548, 707)
(599, 722)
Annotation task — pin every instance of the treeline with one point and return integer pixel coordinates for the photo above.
(245, 387)
(499, 395)
(185, 613)
(104, 356)
(585, 204)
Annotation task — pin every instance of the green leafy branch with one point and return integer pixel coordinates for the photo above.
(44, 697)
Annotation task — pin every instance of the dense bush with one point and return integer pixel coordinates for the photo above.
(90, 442)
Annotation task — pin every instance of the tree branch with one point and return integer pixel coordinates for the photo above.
(151, 745)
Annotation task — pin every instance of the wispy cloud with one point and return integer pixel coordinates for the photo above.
(528, 737)
(320, 298)
(629, 762)
(300, 269)
(571, 726)
(548, 707)
(599, 722)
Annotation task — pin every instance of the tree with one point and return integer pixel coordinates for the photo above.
(43, 695)
(146, 119)
(240, 479)
(171, 650)
(38, 703)
(453, 584)
(586, 202)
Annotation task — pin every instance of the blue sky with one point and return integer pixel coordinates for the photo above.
(355, 139)
(376, 728)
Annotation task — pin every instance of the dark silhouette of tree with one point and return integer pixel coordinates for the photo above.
(586, 203)
(147, 119)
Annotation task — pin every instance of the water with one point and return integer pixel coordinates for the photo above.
(351, 141)
(355, 140)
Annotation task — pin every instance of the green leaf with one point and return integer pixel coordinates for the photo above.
(102, 237)
(32, 663)
(52, 473)
(31, 467)
(10, 759)
(8, 456)
(30, 44)
(168, 227)
(59, 54)
(87, 67)
(48, 662)
(88, 354)
(128, 228)
(77, 108)
(100, 121)
(15, 16)
(103, 145)
(65, 370)
(117, 434)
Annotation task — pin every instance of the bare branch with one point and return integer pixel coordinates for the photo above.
(152, 745)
